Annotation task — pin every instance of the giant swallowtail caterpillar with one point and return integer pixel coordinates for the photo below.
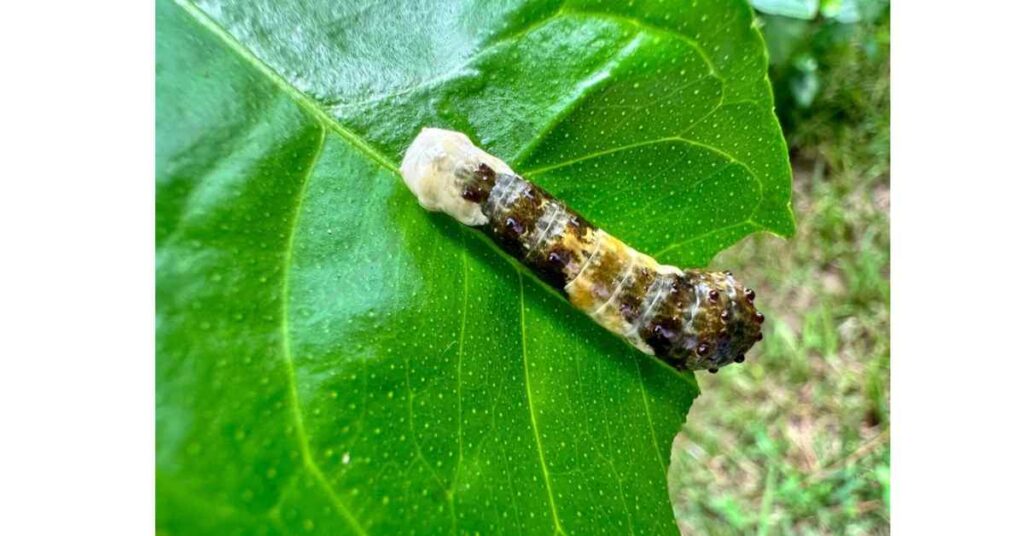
(691, 319)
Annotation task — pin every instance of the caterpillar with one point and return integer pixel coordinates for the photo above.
(691, 319)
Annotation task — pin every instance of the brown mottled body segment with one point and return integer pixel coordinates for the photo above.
(534, 227)
(692, 319)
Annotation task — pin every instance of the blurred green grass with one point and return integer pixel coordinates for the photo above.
(796, 440)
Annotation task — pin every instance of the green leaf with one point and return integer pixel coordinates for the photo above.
(796, 9)
(333, 359)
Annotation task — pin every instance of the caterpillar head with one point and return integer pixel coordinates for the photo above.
(723, 320)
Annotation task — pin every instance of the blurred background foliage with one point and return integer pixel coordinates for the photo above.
(796, 440)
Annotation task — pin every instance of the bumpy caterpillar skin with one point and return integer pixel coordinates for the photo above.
(691, 319)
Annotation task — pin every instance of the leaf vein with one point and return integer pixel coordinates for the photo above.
(681, 243)
(647, 412)
(286, 350)
(533, 415)
(458, 370)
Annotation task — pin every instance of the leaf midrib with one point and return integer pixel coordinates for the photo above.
(303, 100)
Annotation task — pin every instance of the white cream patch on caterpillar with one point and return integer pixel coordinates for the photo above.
(436, 168)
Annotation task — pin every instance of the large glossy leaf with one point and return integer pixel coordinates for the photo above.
(333, 359)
